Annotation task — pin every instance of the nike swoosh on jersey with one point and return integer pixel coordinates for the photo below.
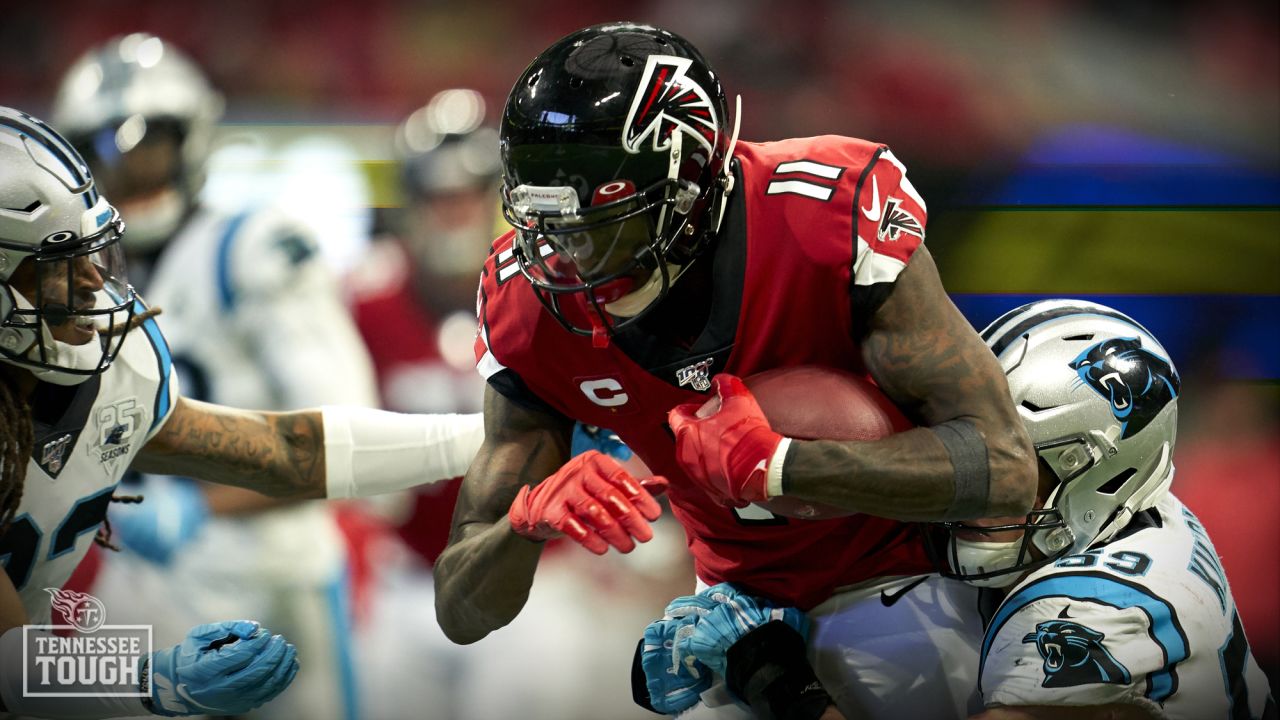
(888, 599)
(873, 214)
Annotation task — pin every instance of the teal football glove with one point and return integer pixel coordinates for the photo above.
(731, 616)
(590, 437)
(226, 668)
(172, 514)
(674, 679)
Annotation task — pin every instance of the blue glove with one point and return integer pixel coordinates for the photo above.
(673, 678)
(590, 437)
(733, 615)
(173, 513)
(226, 668)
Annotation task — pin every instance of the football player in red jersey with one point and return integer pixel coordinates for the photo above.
(656, 259)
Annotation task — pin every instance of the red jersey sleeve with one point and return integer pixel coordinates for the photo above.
(890, 221)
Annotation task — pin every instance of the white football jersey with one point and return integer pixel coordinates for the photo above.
(256, 320)
(255, 317)
(85, 437)
(1147, 617)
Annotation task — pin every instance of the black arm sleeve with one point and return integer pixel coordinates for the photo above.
(512, 387)
(864, 301)
(768, 670)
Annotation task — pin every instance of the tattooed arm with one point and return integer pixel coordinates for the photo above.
(277, 454)
(484, 575)
(931, 362)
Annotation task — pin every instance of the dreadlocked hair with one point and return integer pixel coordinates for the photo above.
(16, 438)
(134, 322)
(103, 538)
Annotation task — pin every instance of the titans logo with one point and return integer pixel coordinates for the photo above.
(1138, 382)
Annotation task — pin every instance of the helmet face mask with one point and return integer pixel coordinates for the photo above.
(995, 555)
(65, 301)
(1097, 394)
(135, 158)
(614, 153)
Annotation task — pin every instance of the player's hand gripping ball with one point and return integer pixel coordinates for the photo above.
(594, 501)
(727, 443)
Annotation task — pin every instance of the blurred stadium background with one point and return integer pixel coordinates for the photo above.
(1124, 151)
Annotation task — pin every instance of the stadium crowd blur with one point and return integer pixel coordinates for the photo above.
(1128, 151)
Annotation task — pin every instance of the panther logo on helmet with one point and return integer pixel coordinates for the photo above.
(1137, 382)
(668, 100)
(1074, 655)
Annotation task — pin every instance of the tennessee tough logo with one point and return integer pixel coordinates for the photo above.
(667, 100)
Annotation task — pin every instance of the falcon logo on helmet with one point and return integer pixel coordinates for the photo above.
(668, 100)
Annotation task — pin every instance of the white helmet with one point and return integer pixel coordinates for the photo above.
(116, 94)
(52, 220)
(1098, 396)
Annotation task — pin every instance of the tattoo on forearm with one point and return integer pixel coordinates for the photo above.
(277, 454)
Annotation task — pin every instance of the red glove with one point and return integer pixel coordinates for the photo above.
(593, 500)
(726, 451)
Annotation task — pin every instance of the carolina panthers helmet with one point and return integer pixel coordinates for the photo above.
(1098, 396)
(125, 92)
(61, 267)
(615, 167)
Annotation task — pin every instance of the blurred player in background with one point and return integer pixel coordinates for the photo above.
(413, 295)
(255, 320)
(1115, 604)
(651, 255)
(413, 301)
(88, 388)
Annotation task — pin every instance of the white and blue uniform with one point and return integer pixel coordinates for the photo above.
(1146, 618)
(85, 437)
(255, 320)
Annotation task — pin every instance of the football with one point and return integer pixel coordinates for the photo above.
(816, 403)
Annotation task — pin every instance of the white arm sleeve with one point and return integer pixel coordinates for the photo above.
(372, 452)
(72, 708)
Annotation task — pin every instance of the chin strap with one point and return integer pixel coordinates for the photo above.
(728, 180)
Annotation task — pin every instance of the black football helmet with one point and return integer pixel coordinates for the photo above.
(614, 151)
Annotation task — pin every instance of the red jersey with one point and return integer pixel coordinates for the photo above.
(816, 230)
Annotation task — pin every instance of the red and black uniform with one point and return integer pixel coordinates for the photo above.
(816, 232)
